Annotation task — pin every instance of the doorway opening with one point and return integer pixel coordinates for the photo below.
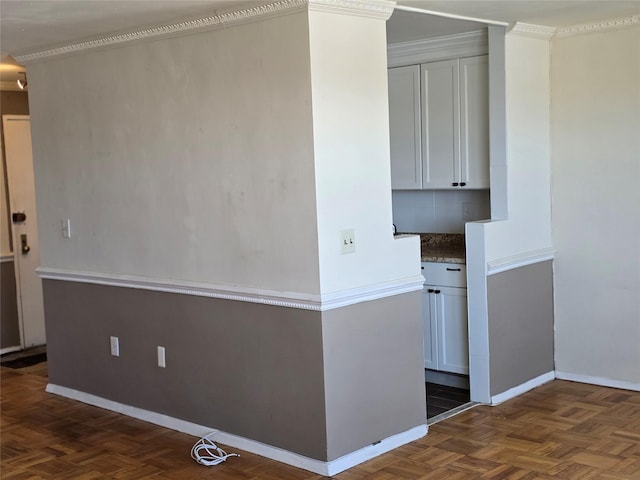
(22, 313)
(439, 138)
(447, 394)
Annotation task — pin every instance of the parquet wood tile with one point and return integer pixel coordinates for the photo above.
(562, 430)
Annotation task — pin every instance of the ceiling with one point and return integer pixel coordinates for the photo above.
(28, 26)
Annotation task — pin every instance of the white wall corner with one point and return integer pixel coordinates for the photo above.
(380, 9)
(541, 32)
(479, 372)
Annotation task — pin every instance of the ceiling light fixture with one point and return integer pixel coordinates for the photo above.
(22, 84)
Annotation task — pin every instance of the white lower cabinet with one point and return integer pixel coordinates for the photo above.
(446, 338)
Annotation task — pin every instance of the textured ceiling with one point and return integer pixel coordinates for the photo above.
(552, 13)
(31, 25)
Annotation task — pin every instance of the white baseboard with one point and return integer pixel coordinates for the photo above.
(604, 382)
(10, 349)
(522, 388)
(371, 451)
(316, 466)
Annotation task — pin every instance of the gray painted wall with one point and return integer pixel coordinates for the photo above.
(520, 304)
(9, 326)
(318, 384)
(247, 369)
(374, 375)
(596, 121)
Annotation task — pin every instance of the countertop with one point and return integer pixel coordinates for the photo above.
(441, 247)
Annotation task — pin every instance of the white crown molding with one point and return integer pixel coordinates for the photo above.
(207, 23)
(532, 31)
(297, 300)
(600, 26)
(521, 260)
(380, 9)
(439, 48)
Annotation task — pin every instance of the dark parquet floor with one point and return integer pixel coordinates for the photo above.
(562, 430)
(442, 398)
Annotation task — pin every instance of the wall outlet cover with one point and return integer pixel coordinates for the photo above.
(347, 241)
(115, 346)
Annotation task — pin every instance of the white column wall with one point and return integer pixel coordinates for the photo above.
(352, 159)
(521, 176)
(528, 169)
(188, 158)
(596, 205)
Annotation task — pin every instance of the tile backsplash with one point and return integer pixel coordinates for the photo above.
(438, 210)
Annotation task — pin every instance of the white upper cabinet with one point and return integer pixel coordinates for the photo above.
(404, 127)
(440, 133)
(440, 117)
(474, 122)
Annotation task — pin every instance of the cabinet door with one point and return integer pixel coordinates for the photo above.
(404, 128)
(453, 336)
(430, 329)
(440, 119)
(474, 122)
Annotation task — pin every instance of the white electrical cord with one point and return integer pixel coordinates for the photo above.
(207, 453)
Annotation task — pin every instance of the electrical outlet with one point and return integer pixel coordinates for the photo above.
(161, 357)
(115, 346)
(347, 241)
(66, 228)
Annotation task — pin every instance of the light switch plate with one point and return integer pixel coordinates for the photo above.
(347, 241)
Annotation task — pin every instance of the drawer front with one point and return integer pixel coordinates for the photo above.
(445, 274)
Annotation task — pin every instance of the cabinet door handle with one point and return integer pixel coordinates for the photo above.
(422, 268)
(437, 291)
(455, 184)
(453, 269)
(463, 184)
(431, 290)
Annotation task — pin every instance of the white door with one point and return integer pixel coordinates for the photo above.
(22, 204)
